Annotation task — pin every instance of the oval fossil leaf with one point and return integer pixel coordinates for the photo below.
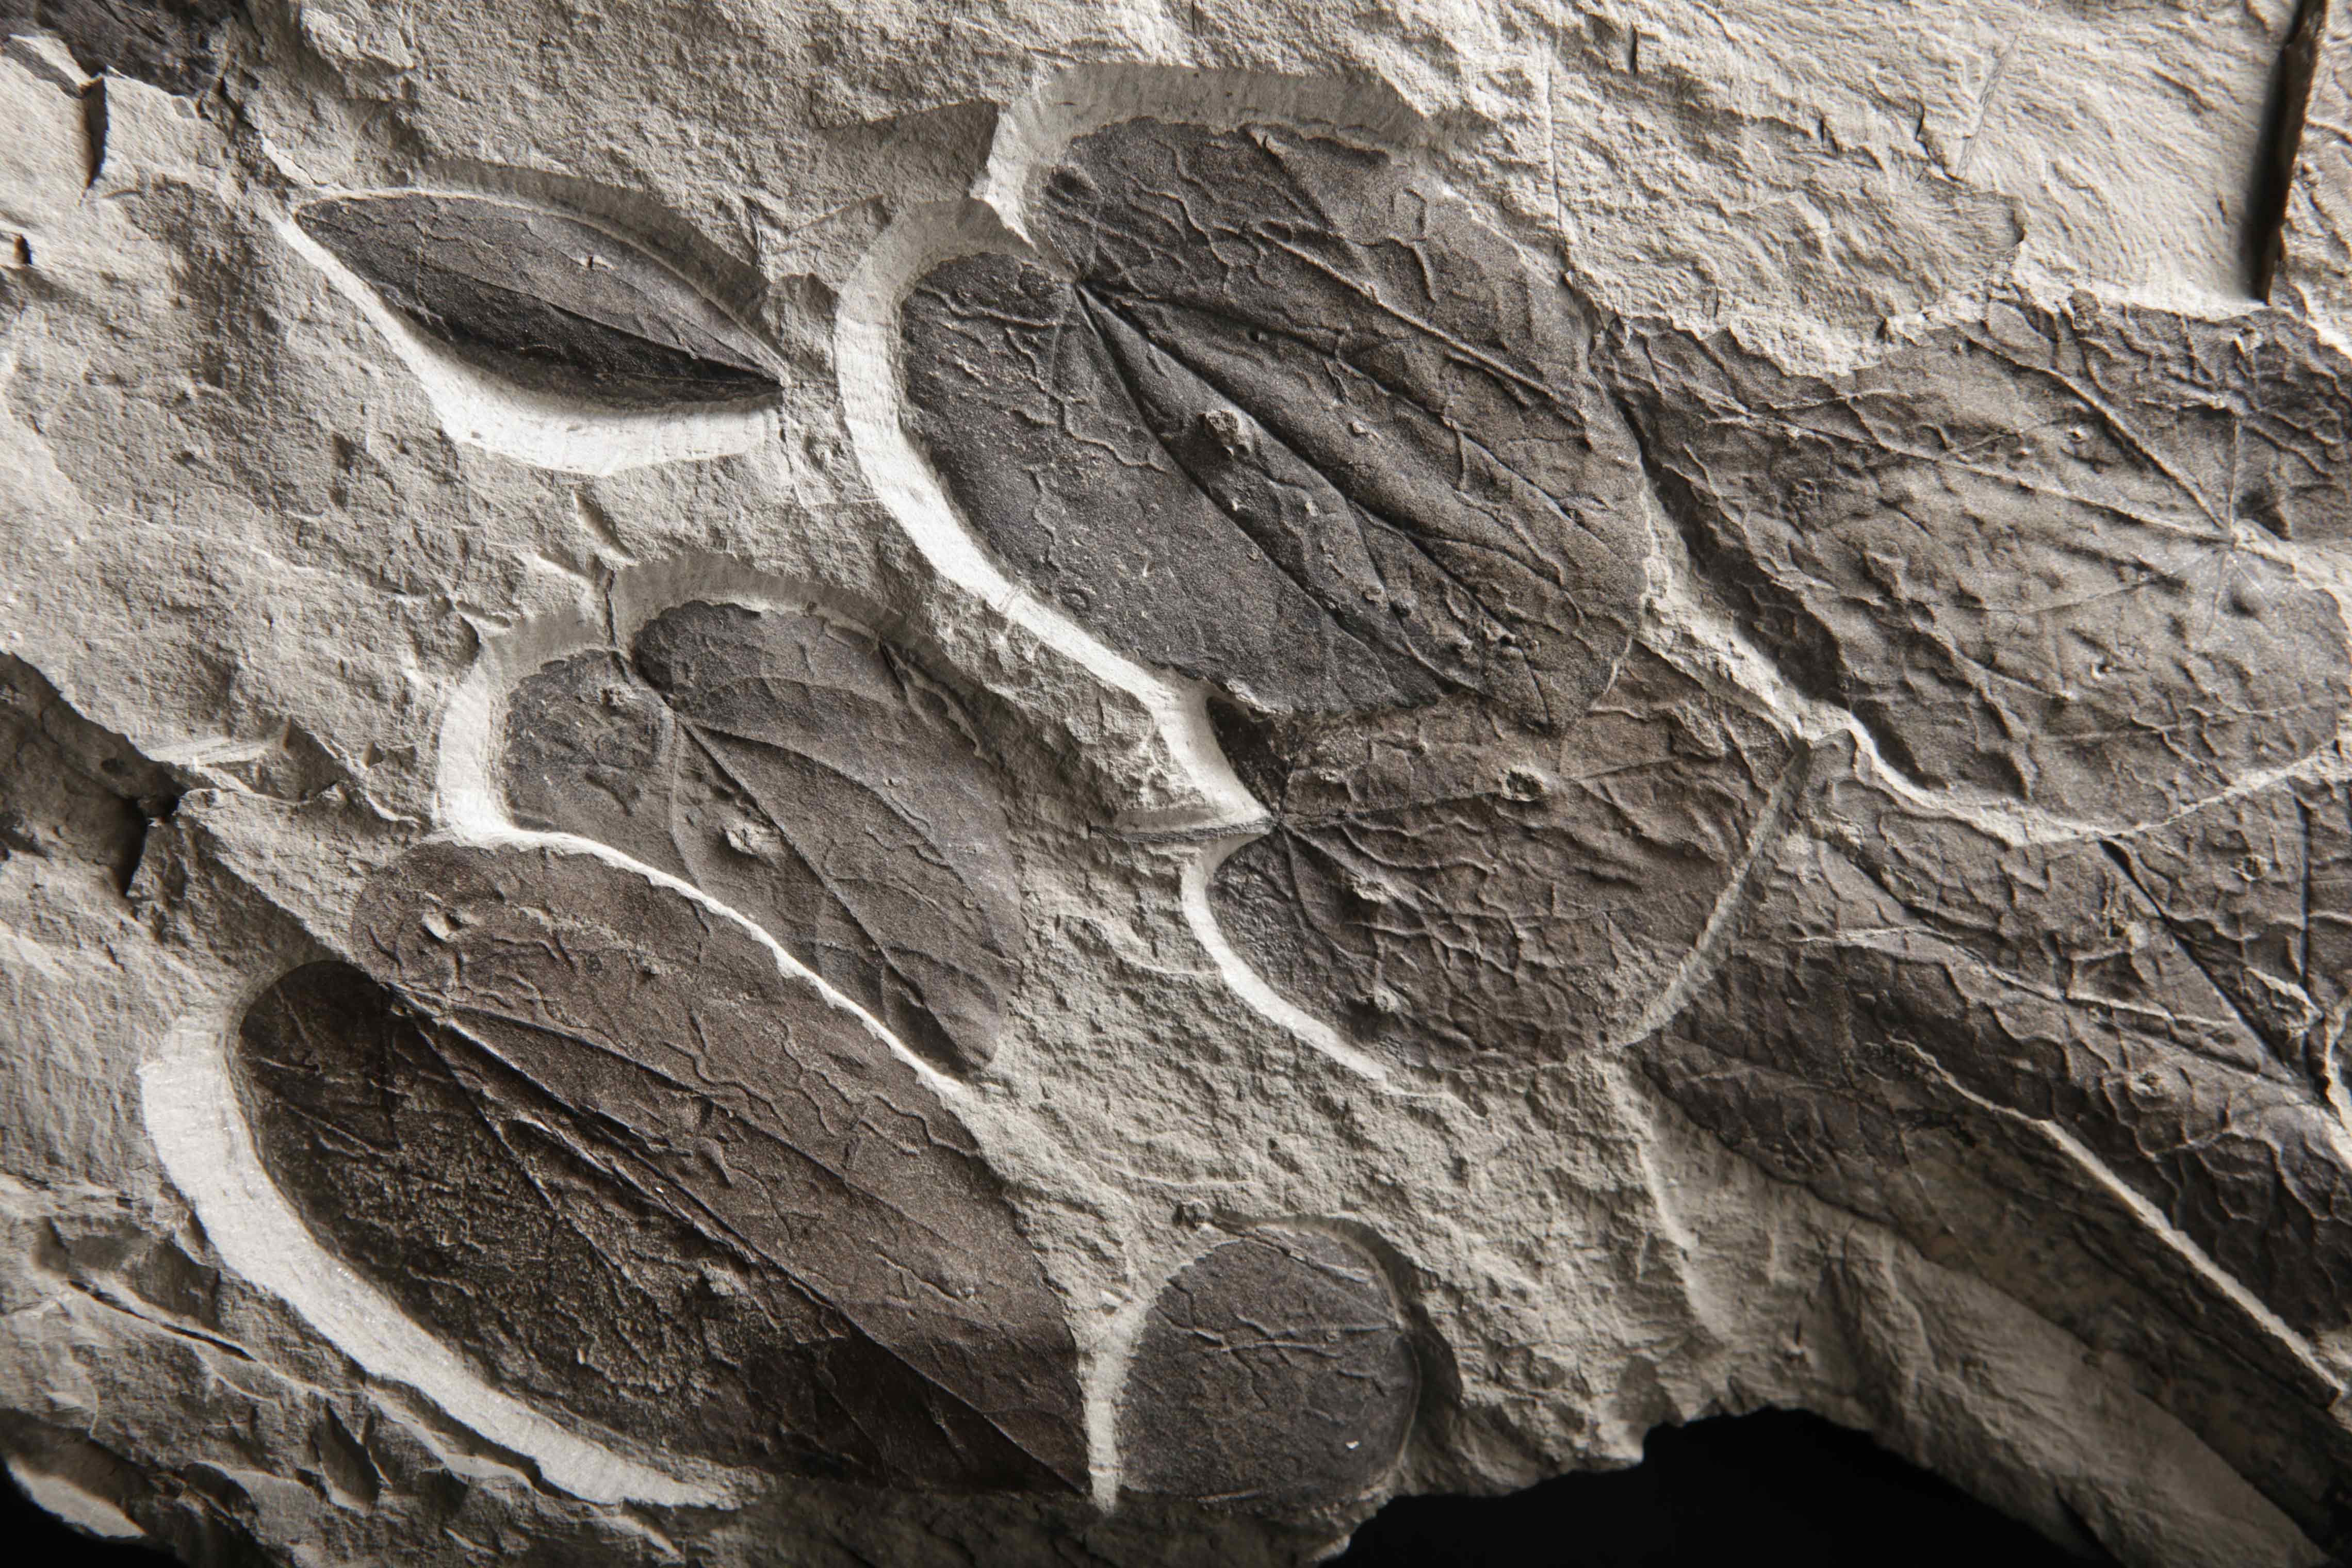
(543, 299)
(471, 1198)
(2016, 551)
(1439, 885)
(811, 777)
(1297, 422)
(592, 1131)
(1914, 1008)
(1273, 1374)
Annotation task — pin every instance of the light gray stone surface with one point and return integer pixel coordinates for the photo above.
(1075, 782)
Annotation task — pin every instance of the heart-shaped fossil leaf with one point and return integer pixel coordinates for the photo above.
(543, 299)
(1274, 1375)
(593, 1132)
(2019, 552)
(1295, 421)
(811, 777)
(1439, 884)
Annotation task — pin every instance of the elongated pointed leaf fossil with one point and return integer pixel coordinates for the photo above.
(1274, 1375)
(593, 1132)
(1914, 1008)
(1440, 885)
(1295, 421)
(543, 299)
(809, 777)
(2029, 553)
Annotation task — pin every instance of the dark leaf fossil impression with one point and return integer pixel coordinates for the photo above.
(1273, 1374)
(1917, 1011)
(2054, 558)
(2027, 553)
(544, 300)
(1287, 416)
(1280, 413)
(1293, 421)
(590, 1130)
(810, 776)
(1440, 885)
(2043, 968)
(175, 45)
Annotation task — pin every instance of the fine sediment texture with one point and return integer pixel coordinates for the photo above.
(70, 793)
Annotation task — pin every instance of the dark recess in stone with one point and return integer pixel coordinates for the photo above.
(1274, 1375)
(1297, 423)
(172, 43)
(585, 1129)
(1775, 1487)
(810, 776)
(543, 299)
(36, 1535)
(1440, 885)
(2282, 126)
(70, 793)
(192, 1514)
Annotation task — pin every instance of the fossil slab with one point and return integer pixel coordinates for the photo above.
(1080, 790)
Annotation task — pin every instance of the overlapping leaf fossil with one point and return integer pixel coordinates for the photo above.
(1296, 422)
(543, 299)
(1293, 421)
(810, 776)
(2016, 1054)
(1273, 1374)
(2057, 559)
(593, 1133)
